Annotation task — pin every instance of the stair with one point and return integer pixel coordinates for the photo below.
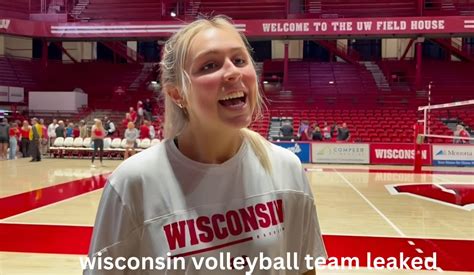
(349, 55)
(79, 8)
(192, 9)
(147, 69)
(378, 75)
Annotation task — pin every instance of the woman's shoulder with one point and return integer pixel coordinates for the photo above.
(283, 156)
(141, 165)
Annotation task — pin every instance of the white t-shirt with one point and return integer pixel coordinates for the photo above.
(160, 202)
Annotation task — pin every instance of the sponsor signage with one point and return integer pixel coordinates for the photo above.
(302, 150)
(383, 26)
(340, 153)
(3, 93)
(4, 23)
(393, 153)
(16, 94)
(453, 155)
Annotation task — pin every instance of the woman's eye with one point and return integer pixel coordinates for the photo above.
(208, 66)
(240, 61)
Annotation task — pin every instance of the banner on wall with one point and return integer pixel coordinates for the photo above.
(302, 150)
(394, 153)
(341, 153)
(453, 155)
(3, 93)
(16, 94)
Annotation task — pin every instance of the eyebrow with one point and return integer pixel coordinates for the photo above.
(215, 51)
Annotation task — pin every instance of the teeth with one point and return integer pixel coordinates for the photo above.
(233, 95)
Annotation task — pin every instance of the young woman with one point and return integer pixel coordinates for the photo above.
(97, 136)
(212, 187)
(131, 135)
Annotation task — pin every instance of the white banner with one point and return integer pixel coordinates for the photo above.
(16, 94)
(340, 153)
(3, 94)
(453, 155)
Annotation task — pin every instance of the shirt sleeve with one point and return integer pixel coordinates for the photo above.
(115, 231)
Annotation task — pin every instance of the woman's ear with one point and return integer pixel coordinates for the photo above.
(174, 94)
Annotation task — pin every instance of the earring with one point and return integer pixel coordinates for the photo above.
(180, 105)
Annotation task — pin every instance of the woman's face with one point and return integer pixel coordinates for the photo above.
(223, 81)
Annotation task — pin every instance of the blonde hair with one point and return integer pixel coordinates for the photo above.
(173, 74)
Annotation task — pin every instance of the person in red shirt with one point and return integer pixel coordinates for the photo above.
(25, 139)
(126, 120)
(461, 133)
(133, 115)
(144, 130)
(97, 136)
(76, 132)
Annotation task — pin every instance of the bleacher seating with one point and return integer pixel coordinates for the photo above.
(79, 147)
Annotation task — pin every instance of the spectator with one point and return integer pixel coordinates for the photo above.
(44, 138)
(317, 135)
(343, 133)
(152, 129)
(36, 134)
(131, 135)
(148, 109)
(109, 127)
(60, 130)
(460, 134)
(140, 112)
(326, 131)
(133, 115)
(25, 139)
(14, 135)
(126, 120)
(97, 136)
(52, 131)
(70, 130)
(83, 129)
(4, 138)
(76, 132)
(286, 129)
(145, 130)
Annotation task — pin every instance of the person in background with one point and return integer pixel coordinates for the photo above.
(60, 130)
(4, 138)
(317, 135)
(25, 138)
(326, 131)
(460, 134)
(140, 112)
(109, 127)
(97, 136)
(14, 134)
(52, 131)
(152, 129)
(36, 134)
(70, 130)
(133, 116)
(44, 138)
(83, 129)
(76, 132)
(343, 133)
(131, 135)
(286, 130)
(148, 109)
(145, 130)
